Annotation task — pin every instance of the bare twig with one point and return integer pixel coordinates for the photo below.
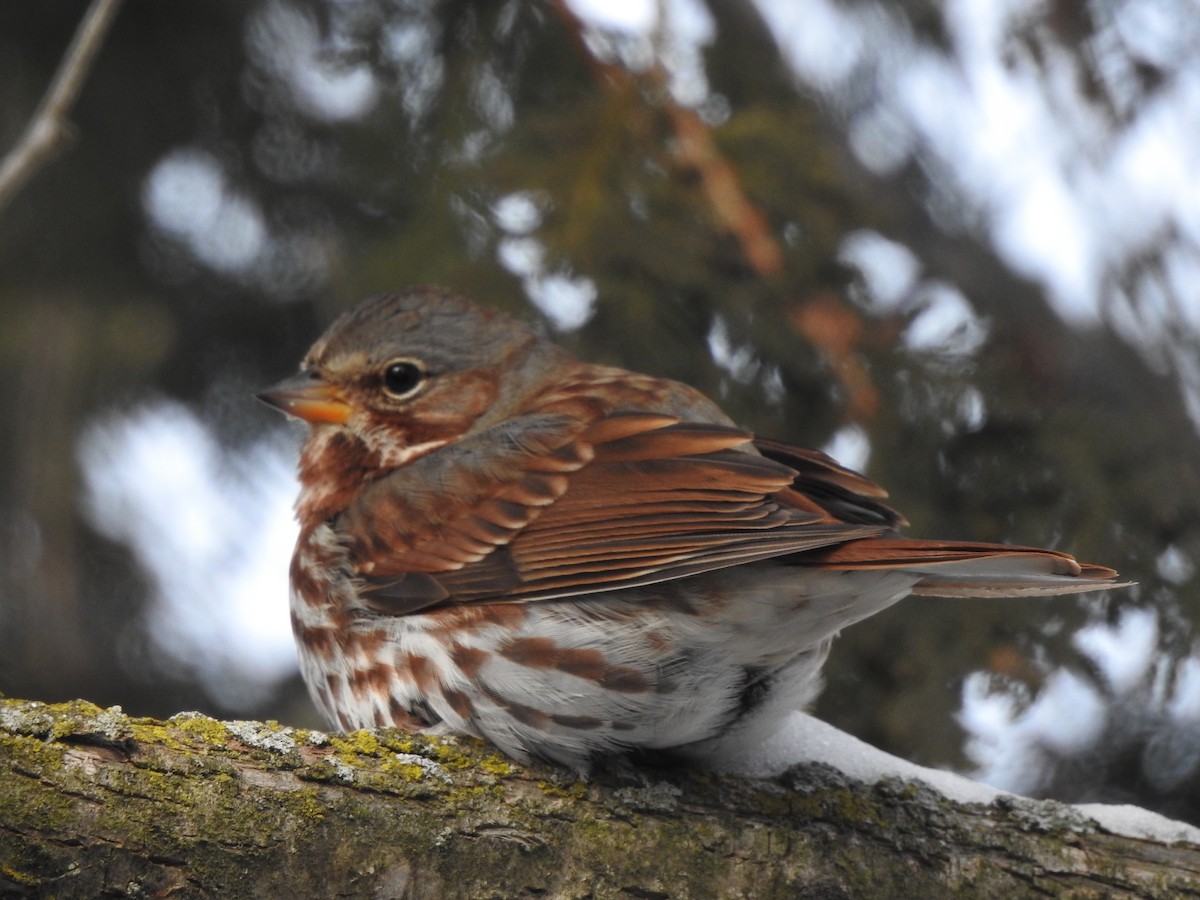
(732, 208)
(49, 128)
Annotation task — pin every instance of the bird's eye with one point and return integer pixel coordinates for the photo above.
(402, 377)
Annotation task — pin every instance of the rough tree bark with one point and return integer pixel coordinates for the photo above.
(93, 802)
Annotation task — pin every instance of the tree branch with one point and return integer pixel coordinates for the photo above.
(49, 128)
(95, 802)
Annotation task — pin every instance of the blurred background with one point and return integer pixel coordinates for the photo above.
(957, 245)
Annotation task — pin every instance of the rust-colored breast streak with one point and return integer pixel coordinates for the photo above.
(333, 464)
(590, 665)
(318, 640)
(460, 703)
(468, 659)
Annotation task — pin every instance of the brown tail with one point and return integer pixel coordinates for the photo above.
(964, 569)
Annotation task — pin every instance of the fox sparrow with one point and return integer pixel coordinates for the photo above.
(572, 560)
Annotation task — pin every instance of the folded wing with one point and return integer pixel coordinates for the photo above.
(636, 498)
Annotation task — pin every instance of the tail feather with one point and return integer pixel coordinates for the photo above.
(965, 569)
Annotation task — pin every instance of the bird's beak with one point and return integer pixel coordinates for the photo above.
(308, 396)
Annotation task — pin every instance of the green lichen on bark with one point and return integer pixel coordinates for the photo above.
(94, 801)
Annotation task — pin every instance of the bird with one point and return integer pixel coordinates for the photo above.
(575, 562)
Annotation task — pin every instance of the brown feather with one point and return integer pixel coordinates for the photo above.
(657, 500)
(969, 569)
(633, 498)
